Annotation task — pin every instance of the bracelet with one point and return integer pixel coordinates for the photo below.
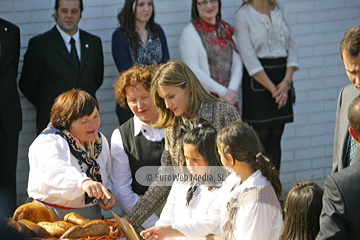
(288, 82)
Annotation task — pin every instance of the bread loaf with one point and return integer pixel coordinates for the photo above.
(75, 219)
(93, 228)
(34, 212)
(57, 228)
(36, 230)
(19, 227)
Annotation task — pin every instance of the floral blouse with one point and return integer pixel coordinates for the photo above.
(148, 54)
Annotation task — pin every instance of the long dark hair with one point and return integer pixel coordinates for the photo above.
(126, 18)
(203, 138)
(242, 142)
(303, 207)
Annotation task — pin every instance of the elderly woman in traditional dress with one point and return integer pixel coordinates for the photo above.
(70, 160)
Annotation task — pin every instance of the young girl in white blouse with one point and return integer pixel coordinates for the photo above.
(251, 209)
(269, 53)
(194, 197)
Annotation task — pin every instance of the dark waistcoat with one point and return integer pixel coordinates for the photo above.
(141, 152)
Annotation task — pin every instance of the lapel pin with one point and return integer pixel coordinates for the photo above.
(5, 29)
(87, 45)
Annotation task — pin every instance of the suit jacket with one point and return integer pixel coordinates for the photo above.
(341, 133)
(340, 216)
(10, 109)
(48, 68)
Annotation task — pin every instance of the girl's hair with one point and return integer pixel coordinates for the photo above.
(176, 73)
(241, 142)
(195, 12)
(127, 21)
(303, 207)
(203, 138)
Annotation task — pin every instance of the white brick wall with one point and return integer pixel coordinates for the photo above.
(318, 26)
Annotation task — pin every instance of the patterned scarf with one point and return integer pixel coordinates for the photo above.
(78, 151)
(219, 45)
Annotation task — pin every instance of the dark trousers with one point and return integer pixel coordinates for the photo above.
(8, 161)
(42, 120)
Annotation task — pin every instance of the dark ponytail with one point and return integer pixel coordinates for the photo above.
(268, 170)
(242, 142)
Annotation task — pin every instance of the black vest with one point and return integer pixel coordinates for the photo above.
(141, 152)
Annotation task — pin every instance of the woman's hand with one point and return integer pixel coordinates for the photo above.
(281, 94)
(231, 96)
(96, 189)
(213, 237)
(150, 233)
(160, 233)
(108, 203)
(123, 219)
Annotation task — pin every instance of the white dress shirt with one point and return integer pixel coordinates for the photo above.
(258, 36)
(175, 210)
(67, 38)
(55, 175)
(121, 172)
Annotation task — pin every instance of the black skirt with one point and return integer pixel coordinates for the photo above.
(259, 107)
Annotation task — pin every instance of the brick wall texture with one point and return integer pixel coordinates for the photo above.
(318, 27)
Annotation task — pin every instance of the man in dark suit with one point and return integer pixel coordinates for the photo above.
(345, 150)
(10, 113)
(340, 216)
(63, 58)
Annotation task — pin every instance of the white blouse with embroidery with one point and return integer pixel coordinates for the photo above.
(258, 36)
(55, 175)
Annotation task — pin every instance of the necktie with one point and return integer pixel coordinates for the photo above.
(190, 193)
(350, 151)
(73, 53)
